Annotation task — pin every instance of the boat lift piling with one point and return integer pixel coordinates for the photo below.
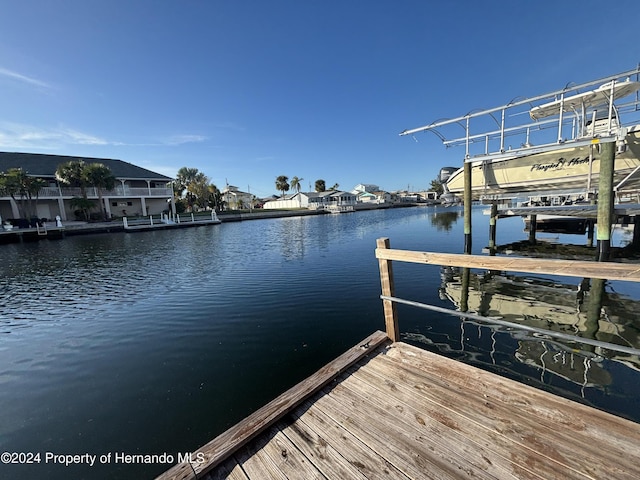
(467, 208)
(492, 228)
(605, 201)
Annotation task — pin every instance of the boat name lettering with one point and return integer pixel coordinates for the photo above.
(559, 164)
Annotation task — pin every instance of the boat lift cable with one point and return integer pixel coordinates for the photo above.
(503, 323)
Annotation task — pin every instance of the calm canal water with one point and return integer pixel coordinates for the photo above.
(156, 342)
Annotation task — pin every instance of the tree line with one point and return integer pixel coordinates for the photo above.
(282, 185)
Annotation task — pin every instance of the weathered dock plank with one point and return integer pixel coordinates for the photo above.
(401, 412)
(330, 435)
(534, 433)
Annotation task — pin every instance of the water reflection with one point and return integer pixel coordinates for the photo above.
(444, 220)
(589, 308)
(586, 308)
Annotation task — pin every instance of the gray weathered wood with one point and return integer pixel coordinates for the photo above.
(386, 281)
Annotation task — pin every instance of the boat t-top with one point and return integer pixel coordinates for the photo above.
(550, 144)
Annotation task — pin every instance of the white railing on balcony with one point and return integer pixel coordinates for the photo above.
(48, 192)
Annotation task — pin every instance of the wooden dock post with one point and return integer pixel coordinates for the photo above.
(467, 207)
(386, 281)
(605, 200)
(492, 228)
(533, 228)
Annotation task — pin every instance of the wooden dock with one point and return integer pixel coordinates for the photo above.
(386, 409)
(397, 412)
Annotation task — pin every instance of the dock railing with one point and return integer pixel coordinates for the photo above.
(568, 268)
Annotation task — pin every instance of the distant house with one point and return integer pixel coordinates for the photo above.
(377, 197)
(236, 199)
(313, 200)
(428, 196)
(138, 191)
(365, 187)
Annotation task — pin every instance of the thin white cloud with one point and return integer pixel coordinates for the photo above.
(14, 135)
(23, 78)
(181, 139)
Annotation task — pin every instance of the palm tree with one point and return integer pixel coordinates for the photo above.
(335, 186)
(100, 176)
(320, 185)
(184, 177)
(72, 173)
(191, 180)
(17, 182)
(282, 184)
(296, 184)
(83, 205)
(214, 198)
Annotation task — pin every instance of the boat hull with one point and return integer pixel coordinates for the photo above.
(559, 170)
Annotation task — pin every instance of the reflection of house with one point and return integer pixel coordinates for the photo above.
(236, 199)
(138, 191)
(313, 200)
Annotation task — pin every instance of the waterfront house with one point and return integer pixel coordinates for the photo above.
(313, 200)
(235, 199)
(138, 191)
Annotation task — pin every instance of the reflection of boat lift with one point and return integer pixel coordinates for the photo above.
(545, 305)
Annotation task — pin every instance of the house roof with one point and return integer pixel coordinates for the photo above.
(44, 165)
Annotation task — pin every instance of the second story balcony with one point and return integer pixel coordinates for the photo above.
(119, 191)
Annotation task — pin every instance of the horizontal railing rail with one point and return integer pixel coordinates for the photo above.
(92, 192)
(570, 268)
(151, 220)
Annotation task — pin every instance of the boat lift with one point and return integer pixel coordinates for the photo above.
(575, 116)
(572, 116)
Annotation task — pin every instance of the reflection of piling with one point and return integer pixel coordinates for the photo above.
(590, 232)
(635, 242)
(467, 207)
(464, 298)
(594, 305)
(533, 226)
(605, 200)
(492, 228)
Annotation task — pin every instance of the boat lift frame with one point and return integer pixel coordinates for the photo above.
(574, 120)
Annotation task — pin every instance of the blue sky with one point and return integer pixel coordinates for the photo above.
(249, 90)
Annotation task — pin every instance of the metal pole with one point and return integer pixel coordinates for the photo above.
(605, 200)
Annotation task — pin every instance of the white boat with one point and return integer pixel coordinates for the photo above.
(566, 166)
